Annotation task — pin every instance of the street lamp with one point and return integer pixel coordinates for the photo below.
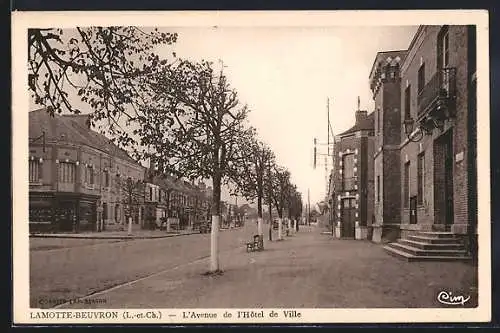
(425, 127)
(413, 137)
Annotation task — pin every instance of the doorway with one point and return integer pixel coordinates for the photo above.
(443, 179)
(66, 215)
(348, 211)
(413, 210)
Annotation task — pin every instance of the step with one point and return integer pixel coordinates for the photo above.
(431, 246)
(436, 234)
(422, 252)
(412, 258)
(434, 240)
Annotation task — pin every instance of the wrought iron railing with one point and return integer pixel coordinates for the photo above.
(442, 85)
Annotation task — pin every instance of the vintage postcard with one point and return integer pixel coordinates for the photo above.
(251, 167)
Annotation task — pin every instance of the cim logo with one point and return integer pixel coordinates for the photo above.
(449, 299)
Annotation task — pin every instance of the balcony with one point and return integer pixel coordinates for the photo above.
(438, 93)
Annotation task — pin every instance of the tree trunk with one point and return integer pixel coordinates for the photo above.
(214, 235)
(270, 221)
(259, 218)
(280, 232)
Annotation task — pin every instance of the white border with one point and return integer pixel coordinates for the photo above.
(22, 20)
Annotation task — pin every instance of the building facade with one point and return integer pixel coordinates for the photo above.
(438, 148)
(353, 179)
(385, 84)
(76, 176)
(184, 204)
(425, 135)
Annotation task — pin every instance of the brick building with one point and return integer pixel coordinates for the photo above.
(353, 179)
(385, 84)
(438, 105)
(77, 177)
(425, 138)
(186, 204)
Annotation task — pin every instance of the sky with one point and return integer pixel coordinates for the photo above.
(286, 75)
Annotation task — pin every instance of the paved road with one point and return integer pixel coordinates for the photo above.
(65, 269)
(308, 270)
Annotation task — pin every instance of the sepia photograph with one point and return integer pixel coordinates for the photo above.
(251, 167)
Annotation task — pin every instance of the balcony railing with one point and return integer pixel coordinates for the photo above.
(348, 184)
(441, 86)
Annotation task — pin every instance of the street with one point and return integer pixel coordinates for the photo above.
(305, 270)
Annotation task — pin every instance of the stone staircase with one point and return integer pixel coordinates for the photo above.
(429, 246)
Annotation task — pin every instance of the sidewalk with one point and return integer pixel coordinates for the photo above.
(136, 234)
(307, 270)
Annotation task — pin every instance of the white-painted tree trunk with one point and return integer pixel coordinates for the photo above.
(259, 226)
(214, 244)
(130, 225)
(280, 233)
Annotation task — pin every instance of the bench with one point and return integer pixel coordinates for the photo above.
(256, 245)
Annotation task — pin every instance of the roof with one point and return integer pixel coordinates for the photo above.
(393, 57)
(177, 184)
(364, 124)
(72, 128)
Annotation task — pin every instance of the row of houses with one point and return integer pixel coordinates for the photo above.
(79, 180)
(410, 165)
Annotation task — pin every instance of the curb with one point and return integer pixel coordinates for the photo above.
(80, 236)
(108, 237)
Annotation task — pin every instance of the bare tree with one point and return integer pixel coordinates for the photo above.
(280, 194)
(105, 67)
(195, 129)
(132, 197)
(251, 174)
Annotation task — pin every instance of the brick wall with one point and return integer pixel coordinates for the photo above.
(391, 112)
(391, 192)
(425, 50)
(378, 202)
(458, 58)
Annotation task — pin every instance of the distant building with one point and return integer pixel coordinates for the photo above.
(353, 178)
(77, 176)
(185, 203)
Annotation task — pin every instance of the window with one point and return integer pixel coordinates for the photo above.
(378, 188)
(66, 172)
(443, 48)
(150, 194)
(159, 195)
(35, 171)
(104, 211)
(421, 78)
(420, 178)
(377, 125)
(348, 172)
(106, 178)
(407, 102)
(406, 187)
(89, 175)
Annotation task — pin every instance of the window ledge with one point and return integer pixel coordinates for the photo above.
(36, 183)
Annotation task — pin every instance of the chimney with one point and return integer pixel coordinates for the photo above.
(361, 115)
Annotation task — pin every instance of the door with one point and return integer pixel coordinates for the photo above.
(348, 211)
(448, 170)
(413, 210)
(443, 179)
(66, 216)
